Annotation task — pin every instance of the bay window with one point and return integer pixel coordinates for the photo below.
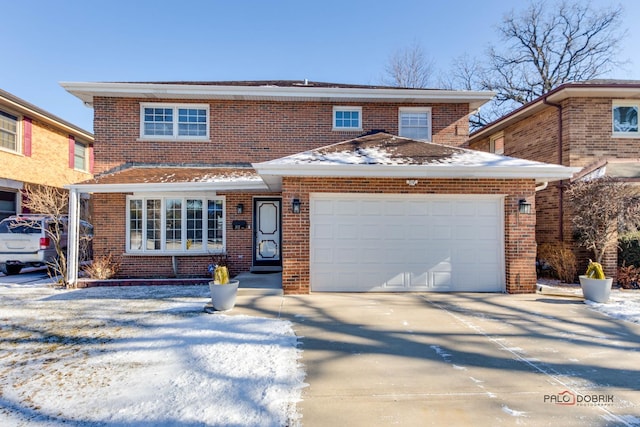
(175, 225)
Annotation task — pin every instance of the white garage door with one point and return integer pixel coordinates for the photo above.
(395, 243)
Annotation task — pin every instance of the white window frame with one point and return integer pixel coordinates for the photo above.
(19, 143)
(339, 108)
(492, 143)
(175, 108)
(414, 110)
(85, 167)
(163, 197)
(624, 103)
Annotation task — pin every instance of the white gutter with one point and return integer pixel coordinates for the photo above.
(253, 185)
(86, 91)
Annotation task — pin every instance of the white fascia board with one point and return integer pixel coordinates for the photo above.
(538, 172)
(86, 92)
(170, 186)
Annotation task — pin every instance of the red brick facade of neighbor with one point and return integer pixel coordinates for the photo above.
(571, 126)
(253, 122)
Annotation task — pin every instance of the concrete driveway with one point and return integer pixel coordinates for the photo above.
(462, 359)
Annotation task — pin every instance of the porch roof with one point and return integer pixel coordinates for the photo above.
(389, 156)
(621, 169)
(158, 178)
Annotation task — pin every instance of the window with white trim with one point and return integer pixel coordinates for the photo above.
(625, 118)
(80, 156)
(415, 123)
(9, 131)
(496, 143)
(174, 121)
(347, 118)
(175, 225)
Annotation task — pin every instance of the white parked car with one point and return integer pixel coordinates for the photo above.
(25, 240)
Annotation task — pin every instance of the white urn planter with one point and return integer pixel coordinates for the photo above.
(223, 297)
(596, 290)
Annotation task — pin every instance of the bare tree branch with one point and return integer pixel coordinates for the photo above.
(409, 68)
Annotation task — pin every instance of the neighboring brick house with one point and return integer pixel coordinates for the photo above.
(37, 147)
(591, 125)
(342, 187)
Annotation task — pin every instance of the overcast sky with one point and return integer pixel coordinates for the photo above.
(45, 41)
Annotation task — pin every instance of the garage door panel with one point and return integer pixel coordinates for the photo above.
(366, 242)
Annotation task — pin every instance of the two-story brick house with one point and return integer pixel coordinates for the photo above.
(591, 125)
(343, 187)
(37, 147)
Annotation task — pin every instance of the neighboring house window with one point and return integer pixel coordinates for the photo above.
(175, 225)
(7, 204)
(80, 156)
(188, 121)
(347, 118)
(9, 131)
(625, 118)
(415, 123)
(496, 143)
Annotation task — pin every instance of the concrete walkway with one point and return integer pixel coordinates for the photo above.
(460, 359)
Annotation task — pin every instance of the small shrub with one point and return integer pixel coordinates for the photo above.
(628, 277)
(102, 268)
(629, 250)
(560, 258)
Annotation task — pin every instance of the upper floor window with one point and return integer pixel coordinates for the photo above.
(80, 156)
(9, 131)
(625, 118)
(347, 118)
(496, 143)
(184, 121)
(415, 123)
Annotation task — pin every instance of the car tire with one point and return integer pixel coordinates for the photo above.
(11, 270)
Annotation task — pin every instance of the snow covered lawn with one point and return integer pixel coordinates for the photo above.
(141, 356)
(623, 304)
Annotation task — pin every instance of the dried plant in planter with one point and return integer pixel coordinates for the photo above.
(103, 267)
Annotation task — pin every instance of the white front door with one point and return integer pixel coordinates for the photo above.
(395, 243)
(267, 232)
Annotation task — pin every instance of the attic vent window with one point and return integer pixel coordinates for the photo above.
(347, 118)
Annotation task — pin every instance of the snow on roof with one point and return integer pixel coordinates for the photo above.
(386, 149)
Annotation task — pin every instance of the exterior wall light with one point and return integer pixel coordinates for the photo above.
(295, 206)
(240, 208)
(524, 207)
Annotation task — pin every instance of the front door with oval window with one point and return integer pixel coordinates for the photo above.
(267, 232)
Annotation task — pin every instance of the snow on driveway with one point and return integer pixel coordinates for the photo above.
(141, 356)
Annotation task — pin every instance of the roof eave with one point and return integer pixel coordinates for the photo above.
(541, 173)
(86, 91)
(559, 94)
(170, 187)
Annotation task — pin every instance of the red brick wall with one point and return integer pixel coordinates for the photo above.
(586, 138)
(251, 131)
(520, 245)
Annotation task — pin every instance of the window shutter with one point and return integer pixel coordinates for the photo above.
(26, 136)
(72, 150)
(90, 148)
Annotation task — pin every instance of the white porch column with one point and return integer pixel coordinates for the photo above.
(73, 243)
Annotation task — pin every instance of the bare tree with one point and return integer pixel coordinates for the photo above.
(544, 46)
(603, 208)
(53, 202)
(409, 68)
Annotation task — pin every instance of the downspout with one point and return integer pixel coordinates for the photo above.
(560, 184)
